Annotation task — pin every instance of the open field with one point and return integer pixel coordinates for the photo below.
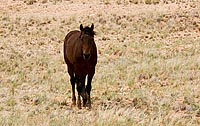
(148, 70)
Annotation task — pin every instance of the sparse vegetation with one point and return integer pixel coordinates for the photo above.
(148, 62)
(30, 2)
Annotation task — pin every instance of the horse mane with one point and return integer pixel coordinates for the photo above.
(89, 31)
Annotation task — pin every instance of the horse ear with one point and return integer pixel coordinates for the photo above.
(81, 27)
(92, 26)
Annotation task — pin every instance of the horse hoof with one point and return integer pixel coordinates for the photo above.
(89, 106)
(79, 107)
(73, 105)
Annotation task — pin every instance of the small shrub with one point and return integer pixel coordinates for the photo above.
(30, 2)
(147, 1)
(156, 1)
(152, 1)
(134, 1)
(11, 102)
(106, 2)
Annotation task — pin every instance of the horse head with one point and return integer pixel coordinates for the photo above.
(87, 41)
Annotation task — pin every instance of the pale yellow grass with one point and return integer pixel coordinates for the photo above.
(148, 63)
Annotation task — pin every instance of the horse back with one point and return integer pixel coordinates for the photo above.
(69, 43)
(71, 33)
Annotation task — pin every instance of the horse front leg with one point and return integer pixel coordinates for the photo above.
(89, 86)
(81, 92)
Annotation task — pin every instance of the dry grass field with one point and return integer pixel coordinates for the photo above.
(148, 71)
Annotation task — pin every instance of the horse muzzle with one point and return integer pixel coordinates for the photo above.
(86, 56)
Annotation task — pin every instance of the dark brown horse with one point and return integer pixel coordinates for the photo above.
(80, 54)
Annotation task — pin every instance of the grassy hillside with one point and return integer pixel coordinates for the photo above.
(148, 69)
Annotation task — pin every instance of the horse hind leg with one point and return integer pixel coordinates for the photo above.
(73, 91)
